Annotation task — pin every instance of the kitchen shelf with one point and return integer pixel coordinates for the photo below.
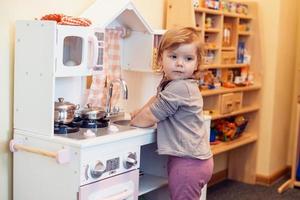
(244, 110)
(223, 90)
(244, 33)
(218, 66)
(148, 183)
(228, 48)
(244, 139)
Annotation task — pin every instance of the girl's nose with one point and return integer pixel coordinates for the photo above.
(179, 62)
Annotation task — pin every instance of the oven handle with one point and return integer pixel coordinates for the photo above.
(120, 196)
(61, 156)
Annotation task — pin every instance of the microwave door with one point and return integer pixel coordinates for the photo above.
(72, 48)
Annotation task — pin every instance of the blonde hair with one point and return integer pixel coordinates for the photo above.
(177, 36)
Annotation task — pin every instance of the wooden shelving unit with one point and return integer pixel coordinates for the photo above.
(232, 34)
(245, 138)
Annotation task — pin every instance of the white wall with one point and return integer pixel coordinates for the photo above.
(13, 10)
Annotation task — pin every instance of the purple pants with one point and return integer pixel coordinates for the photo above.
(187, 176)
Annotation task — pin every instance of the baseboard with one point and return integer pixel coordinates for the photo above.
(218, 177)
(260, 179)
(269, 180)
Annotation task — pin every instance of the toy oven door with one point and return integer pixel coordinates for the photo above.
(120, 187)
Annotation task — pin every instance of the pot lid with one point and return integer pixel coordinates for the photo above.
(92, 110)
(64, 105)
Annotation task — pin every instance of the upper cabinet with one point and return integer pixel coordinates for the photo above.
(138, 38)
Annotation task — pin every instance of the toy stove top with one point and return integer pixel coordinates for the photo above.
(81, 129)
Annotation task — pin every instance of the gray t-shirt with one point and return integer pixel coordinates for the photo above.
(181, 130)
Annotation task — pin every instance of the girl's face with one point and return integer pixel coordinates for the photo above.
(180, 63)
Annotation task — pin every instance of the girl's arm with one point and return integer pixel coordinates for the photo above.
(135, 112)
(144, 117)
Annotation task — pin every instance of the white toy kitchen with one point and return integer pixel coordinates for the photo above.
(69, 158)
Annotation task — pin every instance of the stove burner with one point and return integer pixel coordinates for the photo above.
(78, 123)
(65, 128)
(89, 123)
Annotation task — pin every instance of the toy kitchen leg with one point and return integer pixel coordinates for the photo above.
(153, 175)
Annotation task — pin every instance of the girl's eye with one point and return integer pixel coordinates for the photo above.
(189, 58)
(173, 56)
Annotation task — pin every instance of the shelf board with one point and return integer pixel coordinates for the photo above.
(228, 14)
(217, 66)
(244, 139)
(209, 11)
(220, 12)
(212, 30)
(228, 48)
(212, 48)
(244, 110)
(244, 33)
(223, 90)
(148, 183)
(198, 29)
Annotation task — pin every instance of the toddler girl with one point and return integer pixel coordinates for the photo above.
(178, 111)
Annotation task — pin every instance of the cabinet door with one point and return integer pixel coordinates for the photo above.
(180, 13)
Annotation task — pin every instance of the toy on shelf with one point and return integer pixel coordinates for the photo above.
(224, 5)
(196, 3)
(210, 41)
(212, 4)
(228, 129)
(228, 57)
(242, 8)
(243, 27)
(227, 78)
(241, 52)
(227, 31)
(209, 57)
(210, 79)
(209, 22)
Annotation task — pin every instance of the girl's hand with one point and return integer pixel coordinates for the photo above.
(134, 113)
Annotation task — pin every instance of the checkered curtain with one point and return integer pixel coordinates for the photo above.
(111, 70)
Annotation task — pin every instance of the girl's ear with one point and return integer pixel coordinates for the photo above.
(159, 61)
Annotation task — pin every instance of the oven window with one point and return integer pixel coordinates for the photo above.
(72, 55)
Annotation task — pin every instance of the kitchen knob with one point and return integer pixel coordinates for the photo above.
(97, 170)
(130, 160)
